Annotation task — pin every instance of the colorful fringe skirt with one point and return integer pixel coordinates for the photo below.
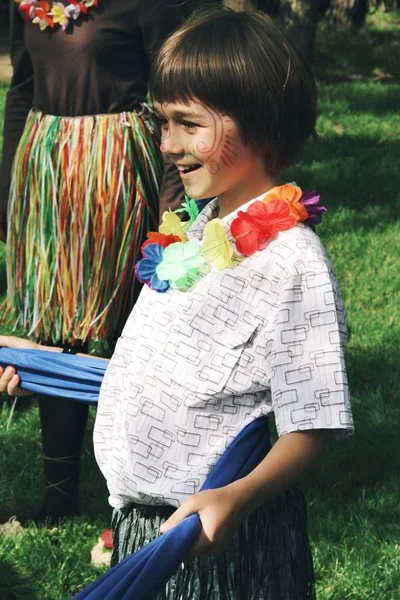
(84, 192)
(269, 557)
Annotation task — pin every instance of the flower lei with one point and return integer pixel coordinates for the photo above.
(45, 15)
(171, 260)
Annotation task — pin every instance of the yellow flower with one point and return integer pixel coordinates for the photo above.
(216, 248)
(172, 225)
(59, 15)
(41, 22)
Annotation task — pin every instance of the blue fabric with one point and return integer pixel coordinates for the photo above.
(142, 575)
(56, 374)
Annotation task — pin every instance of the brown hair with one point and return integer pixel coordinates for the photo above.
(240, 64)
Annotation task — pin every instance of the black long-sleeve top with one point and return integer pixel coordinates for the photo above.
(100, 64)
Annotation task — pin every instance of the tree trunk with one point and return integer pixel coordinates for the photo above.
(298, 19)
(347, 14)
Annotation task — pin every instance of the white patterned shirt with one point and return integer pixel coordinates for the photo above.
(192, 368)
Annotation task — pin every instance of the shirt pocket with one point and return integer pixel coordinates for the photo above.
(202, 356)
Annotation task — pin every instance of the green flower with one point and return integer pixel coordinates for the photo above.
(180, 264)
(191, 208)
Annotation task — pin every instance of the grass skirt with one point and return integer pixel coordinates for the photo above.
(269, 558)
(84, 192)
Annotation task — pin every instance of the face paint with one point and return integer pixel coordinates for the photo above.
(207, 148)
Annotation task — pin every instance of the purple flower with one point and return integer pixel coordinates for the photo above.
(310, 200)
(145, 269)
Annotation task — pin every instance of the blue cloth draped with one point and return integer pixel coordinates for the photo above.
(56, 374)
(143, 575)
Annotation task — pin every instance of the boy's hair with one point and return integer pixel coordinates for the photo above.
(240, 64)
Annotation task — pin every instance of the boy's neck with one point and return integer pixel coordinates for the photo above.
(251, 188)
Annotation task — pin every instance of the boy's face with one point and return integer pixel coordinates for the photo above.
(207, 148)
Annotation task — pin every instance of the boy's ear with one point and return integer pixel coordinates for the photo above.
(266, 150)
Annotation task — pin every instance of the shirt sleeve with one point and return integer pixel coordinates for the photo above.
(309, 388)
(18, 103)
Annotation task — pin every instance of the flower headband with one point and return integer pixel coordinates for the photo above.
(170, 259)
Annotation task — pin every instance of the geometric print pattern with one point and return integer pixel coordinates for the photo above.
(191, 369)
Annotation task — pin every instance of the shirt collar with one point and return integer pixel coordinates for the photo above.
(210, 211)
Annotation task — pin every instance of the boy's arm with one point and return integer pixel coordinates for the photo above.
(222, 510)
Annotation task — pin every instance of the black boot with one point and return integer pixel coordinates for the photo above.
(63, 425)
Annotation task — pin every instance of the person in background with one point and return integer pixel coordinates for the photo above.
(80, 185)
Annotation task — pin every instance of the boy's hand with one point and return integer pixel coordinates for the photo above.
(219, 517)
(9, 380)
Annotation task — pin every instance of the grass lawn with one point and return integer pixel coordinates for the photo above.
(353, 496)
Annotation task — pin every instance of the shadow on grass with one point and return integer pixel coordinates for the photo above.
(340, 54)
(12, 585)
(366, 173)
(20, 478)
(364, 468)
(22, 481)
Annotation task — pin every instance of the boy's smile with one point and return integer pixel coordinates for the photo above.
(208, 150)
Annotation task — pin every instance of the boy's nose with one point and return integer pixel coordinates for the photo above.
(171, 144)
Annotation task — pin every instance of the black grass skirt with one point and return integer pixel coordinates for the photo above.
(269, 558)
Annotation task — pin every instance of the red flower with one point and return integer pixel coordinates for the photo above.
(25, 10)
(106, 538)
(251, 229)
(154, 237)
(246, 233)
(277, 216)
(83, 7)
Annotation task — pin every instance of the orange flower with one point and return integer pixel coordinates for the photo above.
(44, 6)
(42, 16)
(154, 237)
(290, 194)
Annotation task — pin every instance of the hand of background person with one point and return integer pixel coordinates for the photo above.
(10, 383)
(219, 516)
(11, 341)
(9, 379)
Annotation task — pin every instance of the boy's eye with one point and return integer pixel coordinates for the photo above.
(189, 125)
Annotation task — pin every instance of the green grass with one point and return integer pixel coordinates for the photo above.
(353, 496)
